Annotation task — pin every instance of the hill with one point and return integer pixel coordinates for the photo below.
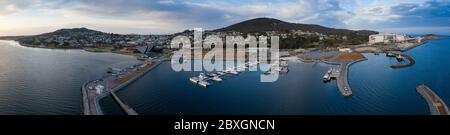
(326, 36)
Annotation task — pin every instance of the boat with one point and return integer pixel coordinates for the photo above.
(216, 78)
(211, 74)
(284, 64)
(390, 54)
(399, 58)
(220, 73)
(276, 68)
(202, 77)
(284, 70)
(233, 72)
(270, 71)
(194, 79)
(327, 76)
(203, 83)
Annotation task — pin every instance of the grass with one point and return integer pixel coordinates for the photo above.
(98, 49)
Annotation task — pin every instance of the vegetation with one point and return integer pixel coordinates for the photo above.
(317, 36)
(98, 49)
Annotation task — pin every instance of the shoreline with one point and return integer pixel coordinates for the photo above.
(82, 49)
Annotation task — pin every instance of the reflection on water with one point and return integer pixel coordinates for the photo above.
(377, 89)
(47, 81)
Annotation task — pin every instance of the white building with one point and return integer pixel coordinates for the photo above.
(387, 38)
(345, 50)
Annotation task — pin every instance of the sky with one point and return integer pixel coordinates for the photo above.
(28, 17)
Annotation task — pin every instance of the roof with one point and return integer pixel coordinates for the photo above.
(146, 49)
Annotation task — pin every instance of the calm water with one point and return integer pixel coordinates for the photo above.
(46, 81)
(377, 89)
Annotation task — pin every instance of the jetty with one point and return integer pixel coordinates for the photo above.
(203, 78)
(400, 57)
(435, 104)
(94, 91)
(340, 72)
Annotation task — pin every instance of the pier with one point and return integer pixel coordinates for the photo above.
(340, 71)
(435, 104)
(411, 61)
(90, 104)
(202, 79)
(94, 91)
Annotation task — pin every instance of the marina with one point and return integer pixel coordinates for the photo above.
(341, 62)
(204, 79)
(376, 85)
(375, 89)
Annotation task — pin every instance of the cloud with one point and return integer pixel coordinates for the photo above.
(9, 7)
(169, 16)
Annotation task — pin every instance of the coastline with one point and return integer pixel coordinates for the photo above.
(87, 50)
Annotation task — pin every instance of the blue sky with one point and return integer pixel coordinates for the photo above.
(24, 17)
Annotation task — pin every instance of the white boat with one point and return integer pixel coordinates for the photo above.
(194, 79)
(233, 72)
(284, 64)
(326, 77)
(284, 70)
(220, 73)
(268, 72)
(201, 77)
(211, 74)
(203, 83)
(217, 79)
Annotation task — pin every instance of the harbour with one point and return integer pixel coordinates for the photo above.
(373, 82)
(372, 85)
(203, 79)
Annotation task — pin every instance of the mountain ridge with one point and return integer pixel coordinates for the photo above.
(270, 24)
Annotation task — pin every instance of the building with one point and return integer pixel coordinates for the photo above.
(387, 38)
(345, 50)
(146, 49)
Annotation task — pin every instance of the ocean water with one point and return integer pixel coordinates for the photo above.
(47, 81)
(35, 81)
(377, 89)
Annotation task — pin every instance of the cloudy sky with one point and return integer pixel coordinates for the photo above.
(25, 17)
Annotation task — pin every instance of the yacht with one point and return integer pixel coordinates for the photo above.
(220, 73)
(203, 83)
(202, 77)
(194, 79)
(217, 79)
(233, 72)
